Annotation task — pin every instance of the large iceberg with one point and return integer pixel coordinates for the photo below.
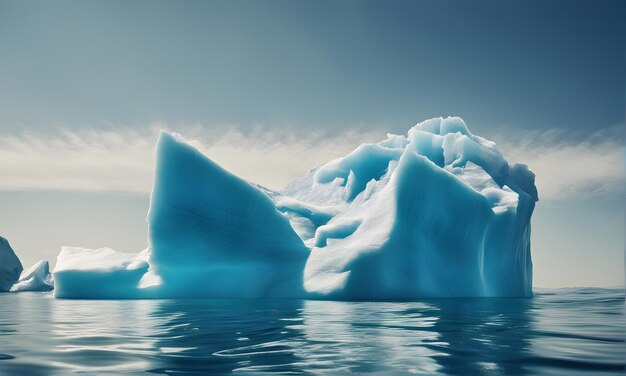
(35, 278)
(10, 266)
(436, 213)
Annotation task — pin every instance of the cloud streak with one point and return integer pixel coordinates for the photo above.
(122, 160)
(119, 159)
(569, 167)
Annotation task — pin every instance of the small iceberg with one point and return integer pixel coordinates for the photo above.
(35, 278)
(99, 273)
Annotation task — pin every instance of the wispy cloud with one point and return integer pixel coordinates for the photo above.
(119, 159)
(571, 166)
(87, 160)
(122, 159)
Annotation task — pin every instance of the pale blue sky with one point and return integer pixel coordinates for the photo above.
(546, 80)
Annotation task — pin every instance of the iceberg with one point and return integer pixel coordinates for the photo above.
(438, 212)
(99, 273)
(35, 278)
(10, 266)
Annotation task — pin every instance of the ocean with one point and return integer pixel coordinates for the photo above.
(558, 332)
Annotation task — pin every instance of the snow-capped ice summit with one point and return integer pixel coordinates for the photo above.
(436, 213)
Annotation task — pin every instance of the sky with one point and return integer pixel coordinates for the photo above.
(271, 89)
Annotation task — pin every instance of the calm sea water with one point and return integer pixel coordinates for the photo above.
(564, 332)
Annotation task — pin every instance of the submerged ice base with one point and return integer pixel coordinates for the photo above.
(436, 213)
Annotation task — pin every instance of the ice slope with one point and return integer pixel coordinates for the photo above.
(213, 234)
(10, 266)
(436, 213)
(35, 278)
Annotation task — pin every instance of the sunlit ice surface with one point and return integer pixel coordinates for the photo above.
(564, 331)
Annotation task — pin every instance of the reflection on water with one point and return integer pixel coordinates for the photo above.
(558, 332)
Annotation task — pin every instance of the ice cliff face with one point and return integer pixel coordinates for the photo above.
(10, 266)
(436, 213)
(213, 234)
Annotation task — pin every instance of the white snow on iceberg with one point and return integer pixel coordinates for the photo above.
(436, 213)
(35, 278)
(10, 266)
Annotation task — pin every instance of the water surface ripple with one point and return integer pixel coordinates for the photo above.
(559, 332)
